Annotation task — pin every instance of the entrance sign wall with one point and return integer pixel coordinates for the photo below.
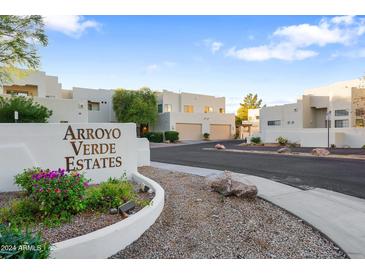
(100, 150)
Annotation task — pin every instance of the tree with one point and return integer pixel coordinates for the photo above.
(136, 106)
(20, 37)
(28, 110)
(250, 101)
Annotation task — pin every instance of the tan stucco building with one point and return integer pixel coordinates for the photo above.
(190, 114)
(305, 122)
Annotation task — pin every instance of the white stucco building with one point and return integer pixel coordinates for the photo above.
(191, 115)
(305, 121)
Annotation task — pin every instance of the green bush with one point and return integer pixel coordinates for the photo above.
(363, 147)
(171, 136)
(58, 192)
(24, 179)
(21, 212)
(282, 141)
(28, 110)
(206, 136)
(109, 194)
(155, 137)
(256, 140)
(16, 244)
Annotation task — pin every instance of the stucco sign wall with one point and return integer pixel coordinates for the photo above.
(100, 150)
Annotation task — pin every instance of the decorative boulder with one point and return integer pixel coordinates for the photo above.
(284, 150)
(219, 146)
(226, 186)
(320, 152)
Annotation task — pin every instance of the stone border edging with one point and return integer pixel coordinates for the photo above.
(107, 241)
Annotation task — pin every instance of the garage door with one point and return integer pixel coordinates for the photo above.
(189, 131)
(220, 132)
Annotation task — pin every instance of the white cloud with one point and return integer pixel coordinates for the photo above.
(71, 25)
(214, 46)
(292, 42)
(266, 52)
(152, 68)
(347, 19)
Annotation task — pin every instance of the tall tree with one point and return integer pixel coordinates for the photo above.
(136, 106)
(250, 101)
(20, 37)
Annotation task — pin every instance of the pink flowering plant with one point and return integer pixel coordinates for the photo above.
(59, 192)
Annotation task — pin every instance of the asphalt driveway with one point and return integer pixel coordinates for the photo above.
(341, 175)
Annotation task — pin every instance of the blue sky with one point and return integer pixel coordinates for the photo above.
(275, 56)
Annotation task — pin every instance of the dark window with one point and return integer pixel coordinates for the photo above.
(341, 112)
(274, 123)
(342, 123)
(159, 108)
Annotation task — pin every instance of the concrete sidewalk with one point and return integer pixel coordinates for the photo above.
(340, 217)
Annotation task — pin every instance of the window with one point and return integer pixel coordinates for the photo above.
(274, 123)
(17, 93)
(359, 123)
(208, 109)
(168, 107)
(159, 108)
(360, 112)
(188, 108)
(93, 106)
(341, 112)
(342, 123)
(221, 110)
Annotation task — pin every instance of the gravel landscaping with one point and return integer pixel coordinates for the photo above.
(199, 223)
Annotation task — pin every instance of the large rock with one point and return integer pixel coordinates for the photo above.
(226, 186)
(219, 146)
(320, 152)
(284, 150)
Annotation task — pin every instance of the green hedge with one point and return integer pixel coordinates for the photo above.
(155, 137)
(171, 136)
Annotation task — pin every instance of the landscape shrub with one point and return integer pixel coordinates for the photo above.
(59, 192)
(155, 137)
(256, 140)
(282, 141)
(363, 147)
(109, 194)
(171, 136)
(24, 179)
(21, 212)
(28, 110)
(206, 136)
(17, 244)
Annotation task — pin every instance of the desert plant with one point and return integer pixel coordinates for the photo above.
(171, 136)
(29, 111)
(282, 141)
(59, 192)
(255, 140)
(155, 137)
(21, 212)
(109, 194)
(206, 136)
(16, 244)
(24, 179)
